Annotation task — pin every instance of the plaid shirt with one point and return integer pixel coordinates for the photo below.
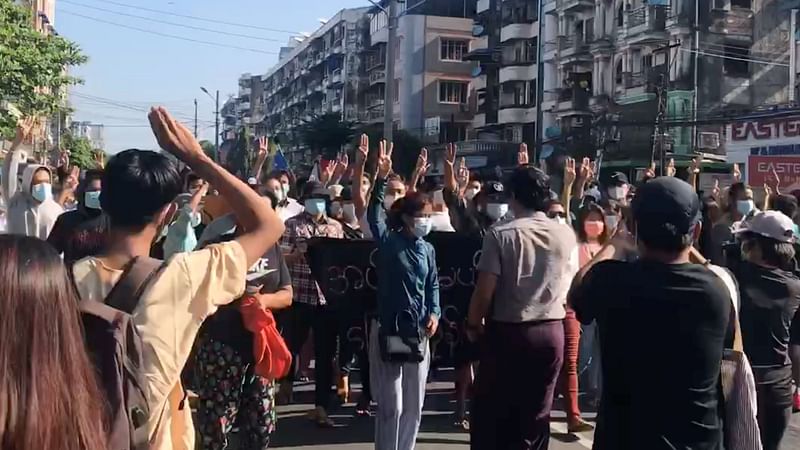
(298, 229)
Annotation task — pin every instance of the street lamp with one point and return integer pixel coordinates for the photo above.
(216, 120)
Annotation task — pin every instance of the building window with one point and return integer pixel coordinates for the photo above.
(735, 63)
(453, 49)
(746, 4)
(453, 91)
(396, 91)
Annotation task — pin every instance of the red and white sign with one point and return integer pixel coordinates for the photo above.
(760, 169)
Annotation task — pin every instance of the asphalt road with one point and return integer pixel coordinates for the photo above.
(295, 431)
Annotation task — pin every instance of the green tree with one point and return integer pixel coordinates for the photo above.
(208, 148)
(34, 67)
(81, 151)
(326, 134)
(240, 157)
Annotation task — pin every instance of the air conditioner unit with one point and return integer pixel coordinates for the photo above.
(709, 141)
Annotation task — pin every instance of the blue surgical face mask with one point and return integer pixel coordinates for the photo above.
(745, 206)
(496, 211)
(422, 226)
(91, 200)
(42, 191)
(315, 206)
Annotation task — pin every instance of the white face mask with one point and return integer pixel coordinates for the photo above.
(616, 193)
(279, 195)
(745, 206)
(496, 211)
(611, 222)
(285, 188)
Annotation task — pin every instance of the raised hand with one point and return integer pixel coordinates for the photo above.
(450, 155)
(422, 163)
(650, 173)
(99, 159)
(773, 181)
(363, 150)
(737, 174)
(24, 128)
(263, 149)
(694, 167)
(586, 172)
(174, 137)
(671, 168)
(522, 155)
(71, 183)
(326, 175)
(570, 174)
(63, 158)
(342, 163)
(715, 191)
(385, 159)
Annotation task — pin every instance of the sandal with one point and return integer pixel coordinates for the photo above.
(579, 425)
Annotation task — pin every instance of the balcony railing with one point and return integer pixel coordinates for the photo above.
(654, 16)
(377, 76)
(736, 22)
(634, 79)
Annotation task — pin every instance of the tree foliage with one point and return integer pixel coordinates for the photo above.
(34, 67)
(81, 151)
(240, 157)
(326, 134)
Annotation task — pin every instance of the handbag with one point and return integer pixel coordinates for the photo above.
(740, 406)
(404, 343)
(271, 355)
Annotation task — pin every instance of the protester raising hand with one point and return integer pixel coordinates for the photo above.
(385, 159)
(671, 170)
(737, 174)
(261, 156)
(694, 172)
(420, 170)
(523, 159)
(69, 185)
(450, 181)
(570, 175)
(340, 168)
(360, 197)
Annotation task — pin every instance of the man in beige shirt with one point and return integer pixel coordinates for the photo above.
(138, 192)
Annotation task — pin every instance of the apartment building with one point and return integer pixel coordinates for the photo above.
(611, 67)
(94, 132)
(341, 68)
(431, 79)
(505, 86)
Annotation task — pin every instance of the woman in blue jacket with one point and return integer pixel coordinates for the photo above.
(408, 311)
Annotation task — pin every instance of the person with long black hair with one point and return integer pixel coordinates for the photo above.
(408, 311)
(84, 231)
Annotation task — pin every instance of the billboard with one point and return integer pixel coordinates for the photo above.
(760, 169)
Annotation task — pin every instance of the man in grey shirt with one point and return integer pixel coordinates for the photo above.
(517, 308)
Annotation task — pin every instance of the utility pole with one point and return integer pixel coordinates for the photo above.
(660, 138)
(388, 101)
(216, 129)
(195, 118)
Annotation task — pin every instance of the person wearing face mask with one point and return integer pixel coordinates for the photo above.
(740, 204)
(556, 211)
(617, 188)
(31, 209)
(181, 235)
(516, 311)
(309, 308)
(287, 207)
(84, 231)
(408, 307)
(343, 210)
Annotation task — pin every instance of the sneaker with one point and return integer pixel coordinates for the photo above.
(579, 425)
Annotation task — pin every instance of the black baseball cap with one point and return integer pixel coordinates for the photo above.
(618, 179)
(666, 206)
(315, 189)
(494, 191)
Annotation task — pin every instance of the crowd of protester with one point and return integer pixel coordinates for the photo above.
(615, 290)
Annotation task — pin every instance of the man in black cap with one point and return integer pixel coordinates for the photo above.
(617, 187)
(663, 323)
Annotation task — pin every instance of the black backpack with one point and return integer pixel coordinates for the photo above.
(116, 351)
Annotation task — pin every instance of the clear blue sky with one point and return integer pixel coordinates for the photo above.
(134, 69)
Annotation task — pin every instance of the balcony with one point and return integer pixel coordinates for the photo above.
(483, 5)
(374, 115)
(573, 101)
(479, 82)
(516, 114)
(518, 73)
(245, 91)
(377, 76)
(633, 79)
(572, 49)
(735, 25)
(519, 31)
(336, 77)
(243, 106)
(479, 120)
(573, 6)
(647, 23)
(375, 102)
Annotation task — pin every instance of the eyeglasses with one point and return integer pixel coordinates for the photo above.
(556, 214)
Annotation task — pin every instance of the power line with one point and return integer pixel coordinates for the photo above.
(202, 19)
(122, 105)
(158, 33)
(175, 24)
(734, 58)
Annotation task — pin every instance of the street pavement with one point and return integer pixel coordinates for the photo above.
(437, 432)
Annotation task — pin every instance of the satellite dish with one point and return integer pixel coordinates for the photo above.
(547, 150)
(476, 71)
(478, 30)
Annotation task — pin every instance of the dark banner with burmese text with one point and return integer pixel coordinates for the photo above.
(347, 275)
